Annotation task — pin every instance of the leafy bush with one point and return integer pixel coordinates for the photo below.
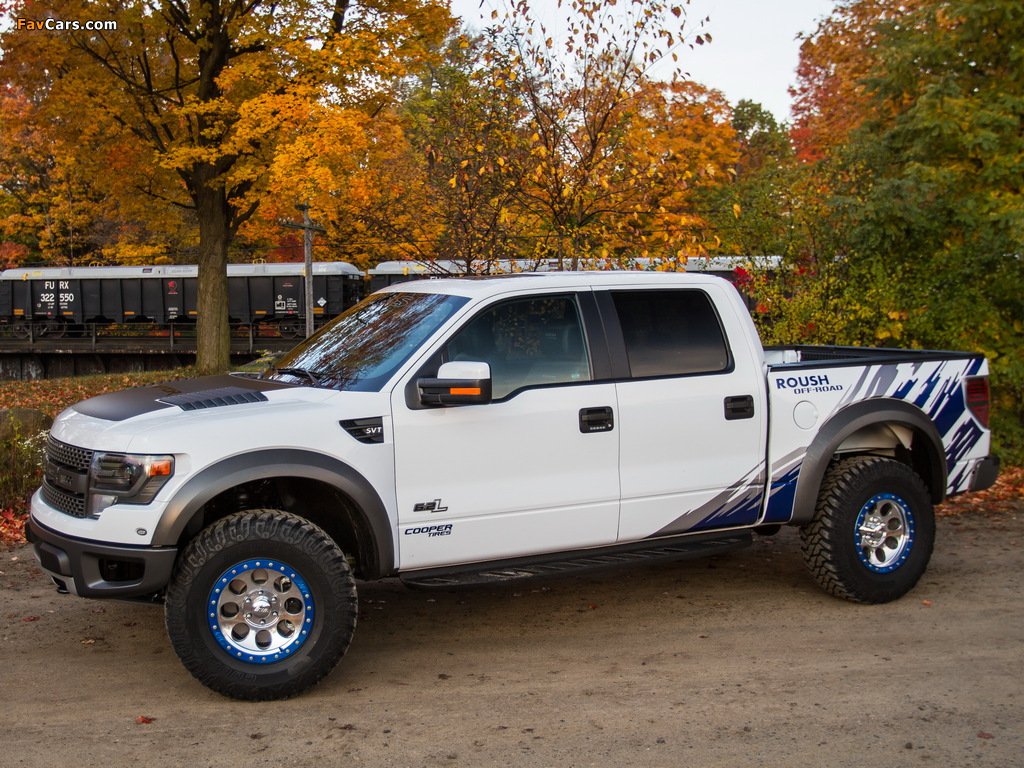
(21, 452)
(21, 456)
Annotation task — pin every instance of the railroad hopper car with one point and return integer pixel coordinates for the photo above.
(48, 301)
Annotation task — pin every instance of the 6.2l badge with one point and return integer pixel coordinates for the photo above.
(429, 506)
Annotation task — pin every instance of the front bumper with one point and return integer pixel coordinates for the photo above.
(92, 569)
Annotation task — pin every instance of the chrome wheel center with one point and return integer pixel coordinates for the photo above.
(872, 531)
(885, 532)
(261, 607)
(260, 611)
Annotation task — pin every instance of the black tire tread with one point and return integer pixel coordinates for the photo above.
(824, 537)
(249, 526)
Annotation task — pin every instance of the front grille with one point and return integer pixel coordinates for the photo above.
(68, 503)
(63, 456)
(68, 455)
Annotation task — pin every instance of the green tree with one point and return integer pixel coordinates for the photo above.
(928, 194)
(758, 212)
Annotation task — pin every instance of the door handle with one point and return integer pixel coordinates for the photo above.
(596, 420)
(739, 407)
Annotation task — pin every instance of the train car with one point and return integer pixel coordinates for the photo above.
(732, 268)
(392, 272)
(47, 301)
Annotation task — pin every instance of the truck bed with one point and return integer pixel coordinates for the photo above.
(790, 357)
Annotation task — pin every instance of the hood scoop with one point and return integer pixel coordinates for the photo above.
(187, 394)
(214, 398)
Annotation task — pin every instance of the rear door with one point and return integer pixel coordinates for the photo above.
(691, 411)
(533, 471)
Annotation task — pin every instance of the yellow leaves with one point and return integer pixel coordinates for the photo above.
(736, 210)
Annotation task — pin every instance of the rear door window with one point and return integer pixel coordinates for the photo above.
(671, 333)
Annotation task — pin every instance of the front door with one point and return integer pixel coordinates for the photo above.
(533, 471)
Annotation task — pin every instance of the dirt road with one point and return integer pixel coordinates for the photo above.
(735, 661)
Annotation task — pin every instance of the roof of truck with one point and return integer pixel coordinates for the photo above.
(482, 286)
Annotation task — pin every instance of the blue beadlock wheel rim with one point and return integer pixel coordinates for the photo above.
(885, 532)
(260, 611)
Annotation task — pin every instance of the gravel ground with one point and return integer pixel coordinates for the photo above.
(731, 661)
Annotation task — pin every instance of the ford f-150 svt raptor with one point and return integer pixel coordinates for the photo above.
(477, 430)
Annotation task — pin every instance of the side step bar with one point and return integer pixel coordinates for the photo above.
(578, 562)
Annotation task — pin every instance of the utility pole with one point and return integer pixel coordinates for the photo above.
(308, 228)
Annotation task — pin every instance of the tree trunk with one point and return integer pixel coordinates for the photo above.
(213, 338)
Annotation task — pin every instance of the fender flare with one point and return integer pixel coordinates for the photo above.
(282, 462)
(851, 419)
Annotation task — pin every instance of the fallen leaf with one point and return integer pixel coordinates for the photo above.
(985, 735)
(31, 618)
(143, 720)
(88, 642)
(926, 602)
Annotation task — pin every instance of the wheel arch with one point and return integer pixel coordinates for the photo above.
(311, 485)
(872, 426)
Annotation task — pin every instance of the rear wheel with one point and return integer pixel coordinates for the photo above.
(262, 605)
(873, 530)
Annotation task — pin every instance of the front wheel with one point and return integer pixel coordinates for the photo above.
(262, 605)
(873, 530)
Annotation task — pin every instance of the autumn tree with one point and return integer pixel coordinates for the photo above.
(50, 205)
(831, 97)
(425, 179)
(72, 205)
(466, 124)
(518, 154)
(611, 159)
(208, 90)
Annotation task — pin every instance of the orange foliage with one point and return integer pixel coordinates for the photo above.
(830, 99)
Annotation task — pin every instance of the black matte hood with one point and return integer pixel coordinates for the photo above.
(186, 394)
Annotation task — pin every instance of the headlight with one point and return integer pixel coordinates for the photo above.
(127, 478)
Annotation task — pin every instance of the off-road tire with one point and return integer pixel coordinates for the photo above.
(274, 559)
(873, 530)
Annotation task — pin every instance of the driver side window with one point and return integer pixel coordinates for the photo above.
(526, 342)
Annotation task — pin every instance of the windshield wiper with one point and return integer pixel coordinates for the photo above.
(313, 378)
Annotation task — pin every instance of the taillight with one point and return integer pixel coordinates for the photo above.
(976, 390)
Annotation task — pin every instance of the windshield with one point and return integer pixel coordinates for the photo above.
(361, 349)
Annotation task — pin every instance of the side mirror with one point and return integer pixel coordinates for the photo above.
(457, 383)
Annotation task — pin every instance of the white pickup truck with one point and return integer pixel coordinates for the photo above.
(467, 431)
